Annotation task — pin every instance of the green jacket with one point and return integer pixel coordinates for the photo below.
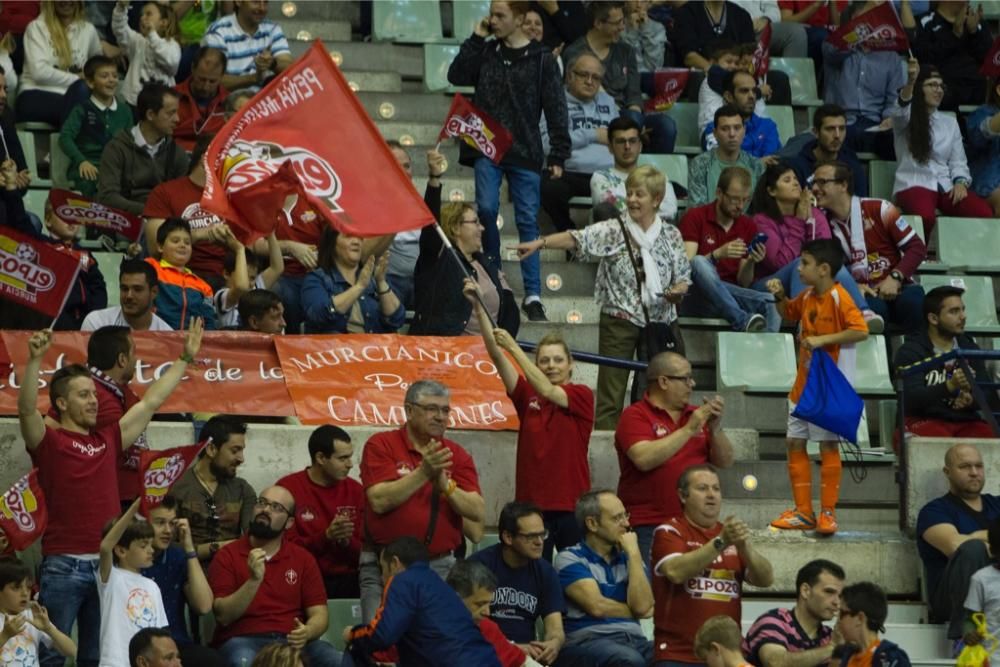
(88, 129)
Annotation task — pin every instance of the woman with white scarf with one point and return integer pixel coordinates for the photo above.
(659, 253)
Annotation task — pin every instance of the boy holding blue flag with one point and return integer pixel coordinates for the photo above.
(829, 320)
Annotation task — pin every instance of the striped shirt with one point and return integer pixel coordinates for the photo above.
(580, 562)
(241, 48)
(780, 627)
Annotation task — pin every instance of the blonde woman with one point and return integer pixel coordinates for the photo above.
(278, 655)
(153, 52)
(56, 46)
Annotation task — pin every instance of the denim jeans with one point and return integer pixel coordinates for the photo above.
(525, 189)
(713, 297)
(644, 534)
(905, 312)
(240, 651)
(789, 277)
(289, 290)
(617, 649)
(662, 130)
(69, 592)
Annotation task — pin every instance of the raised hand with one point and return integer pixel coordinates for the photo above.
(192, 339)
(256, 562)
(39, 343)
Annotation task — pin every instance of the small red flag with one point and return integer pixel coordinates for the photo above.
(160, 468)
(23, 516)
(37, 274)
(762, 54)
(878, 29)
(75, 209)
(668, 86)
(991, 63)
(476, 128)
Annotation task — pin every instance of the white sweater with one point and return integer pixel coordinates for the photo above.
(151, 58)
(41, 70)
(947, 161)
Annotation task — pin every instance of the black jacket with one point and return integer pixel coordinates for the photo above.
(925, 393)
(516, 94)
(958, 58)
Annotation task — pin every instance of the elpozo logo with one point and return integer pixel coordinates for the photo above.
(19, 504)
(160, 476)
(20, 269)
(81, 212)
(250, 162)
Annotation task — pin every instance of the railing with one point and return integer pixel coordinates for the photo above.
(591, 358)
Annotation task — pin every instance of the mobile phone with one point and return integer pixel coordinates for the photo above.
(758, 240)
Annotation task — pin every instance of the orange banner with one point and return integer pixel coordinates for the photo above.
(361, 379)
(234, 373)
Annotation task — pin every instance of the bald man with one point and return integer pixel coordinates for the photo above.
(951, 535)
(659, 437)
(268, 589)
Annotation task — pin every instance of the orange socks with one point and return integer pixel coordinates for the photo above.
(830, 470)
(801, 477)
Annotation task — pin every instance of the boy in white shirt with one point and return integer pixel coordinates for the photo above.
(129, 601)
(24, 624)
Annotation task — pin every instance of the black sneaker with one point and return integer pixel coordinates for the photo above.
(535, 311)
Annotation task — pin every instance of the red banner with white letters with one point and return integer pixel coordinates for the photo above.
(477, 128)
(75, 209)
(37, 274)
(878, 29)
(159, 469)
(23, 516)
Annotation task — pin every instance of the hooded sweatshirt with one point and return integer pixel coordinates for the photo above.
(128, 173)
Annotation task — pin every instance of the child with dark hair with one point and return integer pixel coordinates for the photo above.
(863, 610)
(24, 624)
(182, 295)
(241, 269)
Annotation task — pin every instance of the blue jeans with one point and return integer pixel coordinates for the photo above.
(69, 592)
(525, 189)
(618, 649)
(789, 277)
(713, 297)
(240, 651)
(289, 290)
(662, 129)
(905, 312)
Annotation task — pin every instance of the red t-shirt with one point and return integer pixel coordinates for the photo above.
(886, 232)
(550, 433)
(315, 507)
(305, 226)
(651, 497)
(699, 225)
(181, 198)
(194, 121)
(79, 477)
(820, 19)
(292, 583)
(389, 456)
(510, 655)
(682, 608)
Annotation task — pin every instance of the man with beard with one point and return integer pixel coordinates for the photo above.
(830, 132)
(216, 502)
(268, 590)
(137, 285)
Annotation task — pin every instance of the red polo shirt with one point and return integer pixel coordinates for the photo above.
(292, 583)
(304, 225)
(390, 455)
(700, 225)
(651, 497)
(195, 121)
(181, 198)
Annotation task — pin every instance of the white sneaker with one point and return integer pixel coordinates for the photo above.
(876, 324)
(755, 324)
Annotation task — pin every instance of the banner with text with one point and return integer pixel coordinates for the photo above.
(159, 469)
(23, 515)
(361, 379)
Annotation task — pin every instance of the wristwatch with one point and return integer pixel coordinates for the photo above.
(896, 275)
(213, 548)
(719, 544)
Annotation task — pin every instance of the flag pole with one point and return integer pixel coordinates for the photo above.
(458, 260)
(900, 19)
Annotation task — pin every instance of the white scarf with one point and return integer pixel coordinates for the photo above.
(854, 247)
(652, 288)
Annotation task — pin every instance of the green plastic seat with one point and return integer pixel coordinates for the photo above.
(969, 244)
(802, 79)
(109, 263)
(784, 118)
(871, 374)
(881, 175)
(489, 539)
(26, 136)
(342, 613)
(60, 164)
(408, 21)
(739, 364)
(886, 422)
(685, 115)
(437, 60)
(466, 15)
(34, 202)
(980, 302)
(674, 167)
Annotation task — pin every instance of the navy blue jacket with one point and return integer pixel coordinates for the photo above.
(428, 623)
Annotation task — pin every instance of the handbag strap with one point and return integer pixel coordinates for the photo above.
(635, 267)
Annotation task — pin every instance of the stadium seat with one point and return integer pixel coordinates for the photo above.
(886, 422)
(60, 164)
(34, 202)
(109, 263)
(412, 21)
(437, 60)
(980, 302)
(881, 175)
(871, 377)
(801, 78)
(685, 114)
(489, 539)
(784, 118)
(675, 167)
(969, 244)
(26, 136)
(342, 613)
(917, 223)
(465, 15)
(739, 355)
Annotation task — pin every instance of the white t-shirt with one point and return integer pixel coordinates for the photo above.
(129, 603)
(230, 317)
(984, 596)
(106, 317)
(22, 650)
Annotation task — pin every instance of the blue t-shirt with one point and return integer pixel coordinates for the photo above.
(170, 572)
(580, 562)
(946, 510)
(523, 594)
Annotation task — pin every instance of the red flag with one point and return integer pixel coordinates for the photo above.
(991, 63)
(160, 468)
(476, 128)
(762, 54)
(35, 273)
(668, 85)
(876, 30)
(23, 516)
(309, 119)
(75, 209)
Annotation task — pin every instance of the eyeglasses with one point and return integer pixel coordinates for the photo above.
(587, 76)
(625, 141)
(271, 505)
(821, 182)
(442, 410)
(736, 199)
(535, 537)
(621, 518)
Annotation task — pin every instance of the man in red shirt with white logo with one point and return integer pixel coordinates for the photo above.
(269, 590)
(700, 565)
(417, 483)
(329, 508)
(659, 437)
(78, 471)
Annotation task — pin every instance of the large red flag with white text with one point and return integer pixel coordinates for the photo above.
(75, 209)
(159, 469)
(991, 63)
(36, 274)
(23, 516)
(306, 134)
(876, 30)
(476, 128)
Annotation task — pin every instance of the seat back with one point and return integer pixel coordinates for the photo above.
(738, 359)
(801, 78)
(414, 21)
(969, 243)
(674, 167)
(784, 118)
(980, 301)
(881, 175)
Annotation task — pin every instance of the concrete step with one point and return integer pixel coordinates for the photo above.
(346, 12)
(857, 517)
(407, 61)
(388, 82)
(418, 133)
(408, 107)
(559, 278)
(306, 30)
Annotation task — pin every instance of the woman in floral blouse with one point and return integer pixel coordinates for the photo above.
(654, 243)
